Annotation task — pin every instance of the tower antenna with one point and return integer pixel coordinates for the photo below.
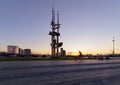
(58, 26)
(113, 52)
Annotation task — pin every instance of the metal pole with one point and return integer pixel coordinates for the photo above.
(113, 46)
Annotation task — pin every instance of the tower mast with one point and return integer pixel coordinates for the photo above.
(58, 26)
(52, 36)
(113, 46)
(55, 44)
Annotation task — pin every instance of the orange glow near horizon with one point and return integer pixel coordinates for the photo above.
(75, 52)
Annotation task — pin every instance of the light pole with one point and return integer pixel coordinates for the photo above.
(113, 52)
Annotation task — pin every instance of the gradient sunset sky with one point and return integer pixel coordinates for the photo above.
(86, 25)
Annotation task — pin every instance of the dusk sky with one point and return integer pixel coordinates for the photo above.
(86, 25)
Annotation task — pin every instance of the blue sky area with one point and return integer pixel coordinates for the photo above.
(86, 25)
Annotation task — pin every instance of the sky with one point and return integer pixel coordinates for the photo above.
(86, 25)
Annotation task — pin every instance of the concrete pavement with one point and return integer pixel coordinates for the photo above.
(65, 72)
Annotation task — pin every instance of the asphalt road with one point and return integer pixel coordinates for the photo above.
(65, 72)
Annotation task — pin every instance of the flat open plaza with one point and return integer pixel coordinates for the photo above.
(60, 72)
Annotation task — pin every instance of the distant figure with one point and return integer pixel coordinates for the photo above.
(80, 55)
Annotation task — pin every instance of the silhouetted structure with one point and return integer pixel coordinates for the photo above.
(27, 52)
(80, 54)
(63, 52)
(113, 46)
(55, 44)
